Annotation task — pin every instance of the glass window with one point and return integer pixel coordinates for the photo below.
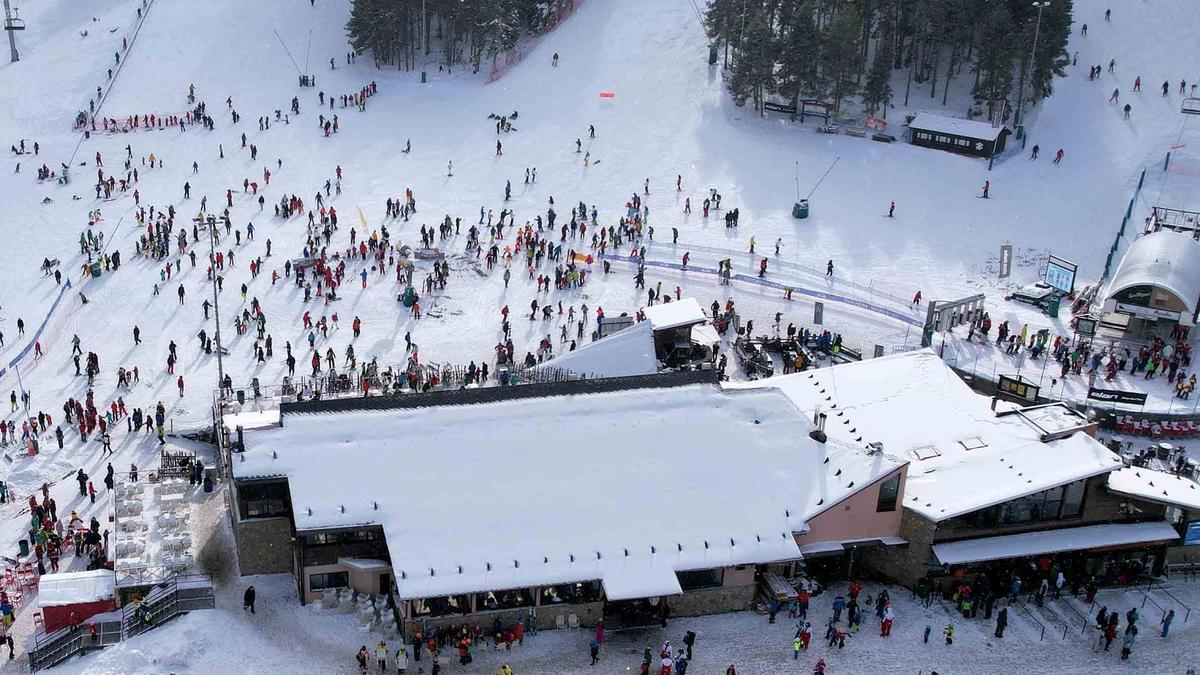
(516, 597)
(888, 492)
(443, 606)
(317, 582)
(264, 500)
(1072, 504)
(695, 579)
(574, 594)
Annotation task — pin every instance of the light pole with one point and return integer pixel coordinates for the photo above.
(212, 261)
(1032, 59)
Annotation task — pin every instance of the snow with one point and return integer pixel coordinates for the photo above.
(1165, 259)
(75, 588)
(961, 455)
(629, 351)
(674, 314)
(618, 485)
(1029, 544)
(1156, 486)
(365, 564)
(956, 126)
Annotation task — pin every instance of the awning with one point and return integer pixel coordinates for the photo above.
(640, 579)
(365, 564)
(837, 547)
(1053, 541)
(703, 333)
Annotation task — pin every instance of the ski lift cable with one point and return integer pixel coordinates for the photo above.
(1166, 172)
(289, 54)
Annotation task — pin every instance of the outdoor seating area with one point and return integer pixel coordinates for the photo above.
(154, 538)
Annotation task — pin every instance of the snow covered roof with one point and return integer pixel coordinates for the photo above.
(961, 455)
(682, 312)
(364, 564)
(1166, 259)
(620, 486)
(1156, 486)
(956, 126)
(75, 588)
(629, 351)
(1053, 541)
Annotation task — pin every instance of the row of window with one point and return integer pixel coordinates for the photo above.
(1057, 503)
(943, 139)
(573, 594)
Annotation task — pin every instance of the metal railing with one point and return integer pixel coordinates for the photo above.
(1155, 585)
(1020, 606)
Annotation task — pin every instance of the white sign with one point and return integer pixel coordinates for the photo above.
(1147, 312)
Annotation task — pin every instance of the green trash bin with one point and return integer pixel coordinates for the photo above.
(96, 270)
(241, 396)
(800, 209)
(23, 546)
(1052, 307)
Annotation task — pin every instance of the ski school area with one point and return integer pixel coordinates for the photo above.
(567, 365)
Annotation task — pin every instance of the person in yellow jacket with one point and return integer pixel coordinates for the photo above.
(381, 655)
(505, 670)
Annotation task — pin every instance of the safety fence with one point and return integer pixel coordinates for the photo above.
(502, 63)
(49, 324)
(769, 283)
(1112, 251)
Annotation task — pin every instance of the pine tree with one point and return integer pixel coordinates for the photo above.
(799, 48)
(840, 55)
(753, 73)
(877, 92)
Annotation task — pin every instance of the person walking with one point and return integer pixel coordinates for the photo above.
(1166, 622)
(248, 599)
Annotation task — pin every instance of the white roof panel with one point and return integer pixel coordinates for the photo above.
(1166, 259)
(957, 126)
(1052, 541)
(615, 486)
(76, 588)
(923, 413)
(629, 351)
(1156, 486)
(673, 314)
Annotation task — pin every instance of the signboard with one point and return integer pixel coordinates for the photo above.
(779, 108)
(1005, 261)
(818, 313)
(1135, 295)
(1017, 387)
(1192, 536)
(878, 351)
(1086, 326)
(1147, 312)
(1060, 274)
(1117, 396)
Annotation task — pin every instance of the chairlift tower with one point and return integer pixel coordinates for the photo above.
(12, 24)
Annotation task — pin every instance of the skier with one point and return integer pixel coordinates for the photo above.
(1058, 156)
(829, 268)
(892, 210)
(499, 148)
(987, 187)
(554, 60)
(1128, 109)
(1036, 149)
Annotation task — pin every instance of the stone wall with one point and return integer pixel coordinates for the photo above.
(264, 545)
(904, 564)
(711, 601)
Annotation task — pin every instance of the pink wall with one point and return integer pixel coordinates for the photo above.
(856, 518)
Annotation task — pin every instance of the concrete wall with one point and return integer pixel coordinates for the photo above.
(309, 594)
(264, 545)
(855, 517)
(367, 582)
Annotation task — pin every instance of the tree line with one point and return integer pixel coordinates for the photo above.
(413, 33)
(834, 49)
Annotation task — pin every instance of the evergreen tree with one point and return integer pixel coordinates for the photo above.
(753, 75)
(799, 49)
(877, 92)
(840, 56)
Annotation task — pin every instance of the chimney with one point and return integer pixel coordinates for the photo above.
(241, 442)
(818, 434)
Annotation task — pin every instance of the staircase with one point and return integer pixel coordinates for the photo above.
(164, 602)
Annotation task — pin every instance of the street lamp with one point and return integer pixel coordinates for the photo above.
(1032, 58)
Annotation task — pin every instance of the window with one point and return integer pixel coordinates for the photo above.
(690, 581)
(573, 594)
(444, 606)
(264, 500)
(318, 582)
(1057, 503)
(516, 597)
(889, 490)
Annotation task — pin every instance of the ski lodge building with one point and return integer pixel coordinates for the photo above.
(614, 498)
(988, 482)
(597, 498)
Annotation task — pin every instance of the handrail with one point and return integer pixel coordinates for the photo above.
(1187, 610)
(1032, 618)
(1086, 621)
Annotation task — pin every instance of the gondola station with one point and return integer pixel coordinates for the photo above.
(965, 137)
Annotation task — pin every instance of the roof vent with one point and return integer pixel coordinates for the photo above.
(653, 550)
(572, 557)
(489, 567)
(343, 506)
(460, 569)
(626, 553)
(706, 543)
(431, 572)
(731, 542)
(516, 563)
(274, 455)
(375, 505)
(545, 560)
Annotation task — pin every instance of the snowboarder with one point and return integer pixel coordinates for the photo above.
(987, 187)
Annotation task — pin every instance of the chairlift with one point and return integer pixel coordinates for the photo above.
(14, 23)
(1190, 106)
